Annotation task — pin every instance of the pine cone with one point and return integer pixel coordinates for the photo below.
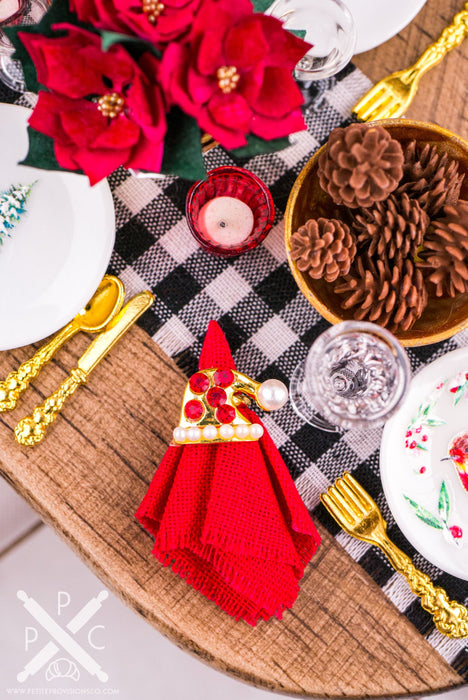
(361, 165)
(391, 228)
(393, 296)
(430, 177)
(324, 248)
(445, 252)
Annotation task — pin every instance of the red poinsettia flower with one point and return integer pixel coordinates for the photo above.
(103, 109)
(235, 74)
(159, 21)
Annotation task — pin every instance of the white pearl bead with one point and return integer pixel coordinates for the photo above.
(179, 434)
(226, 431)
(272, 394)
(256, 431)
(242, 431)
(194, 434)
(210, 432)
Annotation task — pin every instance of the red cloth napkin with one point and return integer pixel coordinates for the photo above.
(228, 518)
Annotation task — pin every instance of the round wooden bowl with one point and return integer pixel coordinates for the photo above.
(443, 317)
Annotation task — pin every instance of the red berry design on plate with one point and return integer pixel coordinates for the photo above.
(456, 532)
(216, 397)
(408, 433)
(418, 429)
(199, 383)
(422, 470)
(454, 389)
(194, 410)
(424, 438)
(413, 445)
(223, 377)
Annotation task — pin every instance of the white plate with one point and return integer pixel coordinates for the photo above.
(415, 441)
(380, 20)
(59, 250)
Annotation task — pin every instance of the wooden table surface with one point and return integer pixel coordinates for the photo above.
(343, 638)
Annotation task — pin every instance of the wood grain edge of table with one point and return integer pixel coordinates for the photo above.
(441, 96)
(186, 644)
(339, 566)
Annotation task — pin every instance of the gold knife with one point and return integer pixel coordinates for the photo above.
(31, 430)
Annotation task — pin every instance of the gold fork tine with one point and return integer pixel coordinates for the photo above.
(352, 498)
(375, 106)
(395, 111)
(368, 97)
(347, 505)
(358, 515)
(343, 519)
(355, 487)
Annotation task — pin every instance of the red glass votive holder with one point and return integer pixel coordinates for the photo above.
(229, 181)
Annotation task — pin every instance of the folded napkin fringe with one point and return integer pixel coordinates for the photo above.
(212, 584)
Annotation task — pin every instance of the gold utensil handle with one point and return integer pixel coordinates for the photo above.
(31, 430)
(18, 381)
(451, 37)
(450, 617)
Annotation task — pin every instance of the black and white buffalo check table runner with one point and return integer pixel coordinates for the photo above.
(269, 326)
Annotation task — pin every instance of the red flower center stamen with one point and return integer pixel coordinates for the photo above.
(152, 10)
(228, 77)
(111, 105)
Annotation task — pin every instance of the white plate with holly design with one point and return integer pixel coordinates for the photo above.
(53, 258)
(424, 463)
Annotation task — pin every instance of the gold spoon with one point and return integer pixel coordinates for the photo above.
(100, 309)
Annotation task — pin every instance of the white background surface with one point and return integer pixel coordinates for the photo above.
(141, 663)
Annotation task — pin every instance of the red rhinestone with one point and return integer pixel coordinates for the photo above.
(199, 383)
(223, 377)
(216, 397)
(194, 409)
(226, 414)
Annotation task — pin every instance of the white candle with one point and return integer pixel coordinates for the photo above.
(226, 221)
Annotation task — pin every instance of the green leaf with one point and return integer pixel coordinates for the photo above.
(41, 152)
(433, 422)
(300, 33)
(261, 5)
(257, 146)
(460, 392)
(427, 409)
(425, 515)
(109, 38)
(444, 502)
(182, 147)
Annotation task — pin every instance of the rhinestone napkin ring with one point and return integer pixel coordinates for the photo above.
(212, 402)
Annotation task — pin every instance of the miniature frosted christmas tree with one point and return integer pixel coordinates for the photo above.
(12, 206)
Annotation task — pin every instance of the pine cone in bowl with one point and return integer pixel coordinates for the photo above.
(361, 165)
(430, 177)
(445, 252)
(393, 227)
(391, 294)
(323, 248)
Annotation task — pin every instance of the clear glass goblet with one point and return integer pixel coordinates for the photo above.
(328, 25)
(355, 375)
(14, 12)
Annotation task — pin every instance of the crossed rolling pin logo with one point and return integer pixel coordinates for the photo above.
(62, 638)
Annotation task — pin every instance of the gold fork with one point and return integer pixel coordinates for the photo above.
(358, 515)
(392, 96)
